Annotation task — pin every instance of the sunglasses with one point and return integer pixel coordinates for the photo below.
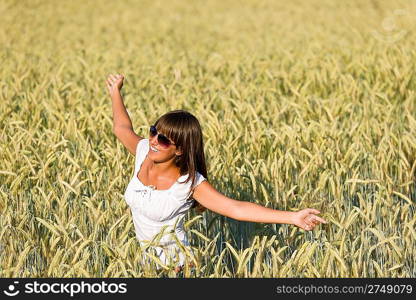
(161, 139)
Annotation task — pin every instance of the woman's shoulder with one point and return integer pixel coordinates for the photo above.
(199, 177)
(142, 146)
(184, 179)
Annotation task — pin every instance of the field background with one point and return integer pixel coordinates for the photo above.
(302, 104)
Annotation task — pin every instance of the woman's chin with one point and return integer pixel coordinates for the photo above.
(152, 155)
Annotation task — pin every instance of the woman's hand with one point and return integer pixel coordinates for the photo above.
(307, 218)
(114, 83)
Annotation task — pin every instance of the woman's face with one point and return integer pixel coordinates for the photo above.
(162, 154)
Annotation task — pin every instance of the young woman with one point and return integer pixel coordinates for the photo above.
(170, 177)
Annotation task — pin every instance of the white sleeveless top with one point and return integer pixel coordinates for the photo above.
(152, 209)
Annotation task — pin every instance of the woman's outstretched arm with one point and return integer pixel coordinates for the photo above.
(213, 200)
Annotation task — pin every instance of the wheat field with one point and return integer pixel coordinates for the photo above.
(301, 103)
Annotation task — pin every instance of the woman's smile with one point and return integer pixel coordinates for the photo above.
(154, 149)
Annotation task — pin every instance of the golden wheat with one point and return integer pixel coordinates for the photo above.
(302, 105)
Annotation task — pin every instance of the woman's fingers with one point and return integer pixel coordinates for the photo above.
(311, 221)
(114, 81)
(110, 84)
(307, 219)
(115, 78)
(317, 219)
(308, 223)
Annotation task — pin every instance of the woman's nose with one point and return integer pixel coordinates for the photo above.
(153, 140)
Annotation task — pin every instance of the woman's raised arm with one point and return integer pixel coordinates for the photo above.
(213, 200)
(122, 126)
(121, 118)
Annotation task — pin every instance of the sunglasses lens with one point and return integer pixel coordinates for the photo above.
(163, 141)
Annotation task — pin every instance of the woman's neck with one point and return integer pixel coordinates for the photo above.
(166, 167)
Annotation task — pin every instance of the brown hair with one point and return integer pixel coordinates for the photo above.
(184, 130)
